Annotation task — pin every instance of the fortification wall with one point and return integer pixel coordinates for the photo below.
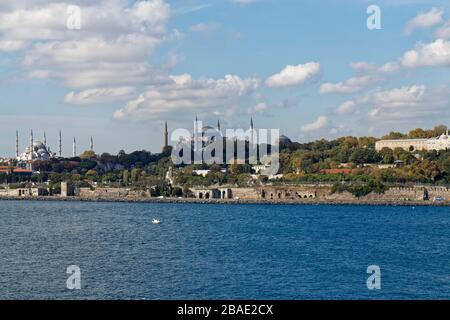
(245, 193)
(111, 193)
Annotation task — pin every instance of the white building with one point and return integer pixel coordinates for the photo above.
(439, 143)
(36, 150)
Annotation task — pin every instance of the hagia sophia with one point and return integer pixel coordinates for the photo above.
(203, 134)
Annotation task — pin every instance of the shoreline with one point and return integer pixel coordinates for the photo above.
(235, 201)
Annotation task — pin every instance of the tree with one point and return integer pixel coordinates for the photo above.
(364, 155)
(88, 154)
(387, 154)
(91, 173)
(418, 134)
(125, 177)
(393, 135)
(135, 175)
(438, 130)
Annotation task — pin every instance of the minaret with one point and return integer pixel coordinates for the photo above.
(251, 132)
(196, 138)
(218, 125)
(92, 144)
(74, 147)
(45, 139)
(17, 144)
(60, 145)
(166, 135)
(31, 145)
(195, 125)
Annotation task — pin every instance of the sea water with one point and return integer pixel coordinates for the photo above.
(202, 251)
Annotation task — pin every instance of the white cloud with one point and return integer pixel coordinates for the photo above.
(399, 97)
(260, 108)
(365, 67)
(444, 31)
(412, 104)
(11, 45)
(425, 20)
(205, 28)
(436, 53)
(293, 75)
(100, 95)
(316, 125)
(184, 94)
(362, 66)
(243, 2)
(351, 85)
(347, 107)
(111, 50)
(389, 67)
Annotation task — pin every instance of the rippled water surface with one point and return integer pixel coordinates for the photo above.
(222, 251)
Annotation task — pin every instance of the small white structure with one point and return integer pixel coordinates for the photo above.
(202, 173)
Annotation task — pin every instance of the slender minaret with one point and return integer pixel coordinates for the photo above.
(45, 139)
(166, 135)
(17, 144)
(218, 125)
(251, 132)
(195, 125)
(60, 145)
(92, 144)
(195, 138)
(74, 147)
(31, 145)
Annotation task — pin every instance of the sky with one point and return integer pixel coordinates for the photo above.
(117, 70)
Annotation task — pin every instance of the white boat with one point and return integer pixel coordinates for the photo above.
(156, 221)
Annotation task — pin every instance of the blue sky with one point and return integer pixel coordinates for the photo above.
(310, 68)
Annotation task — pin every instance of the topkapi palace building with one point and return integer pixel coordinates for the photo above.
(439, 143)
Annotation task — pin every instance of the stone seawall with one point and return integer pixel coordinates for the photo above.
(262, 194)
(111, 193)
(322, 192)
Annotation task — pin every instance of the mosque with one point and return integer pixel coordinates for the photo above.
(202, 134)
(36, 150)
(40, 150)
(205, 139)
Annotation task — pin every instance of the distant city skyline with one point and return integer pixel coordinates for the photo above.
(309, 68)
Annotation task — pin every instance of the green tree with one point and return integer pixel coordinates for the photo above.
(88, 154)
(388, 155)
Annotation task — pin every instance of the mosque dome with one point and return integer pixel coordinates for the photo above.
(40, 152)
(285, 140)
(206, 128)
